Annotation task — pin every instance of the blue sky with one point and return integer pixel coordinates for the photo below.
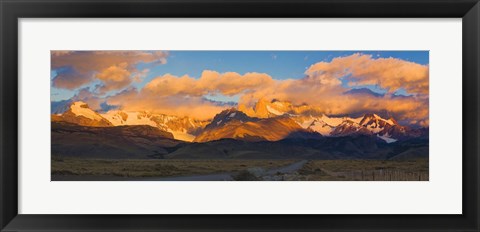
(278, 64)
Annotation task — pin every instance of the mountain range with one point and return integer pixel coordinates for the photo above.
(270, 124)
(271, 121)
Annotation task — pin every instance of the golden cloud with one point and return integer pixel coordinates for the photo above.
(210, 82)
(115, 77)
(181, 105)
(389, 73)
(78, 68)
(321, 88)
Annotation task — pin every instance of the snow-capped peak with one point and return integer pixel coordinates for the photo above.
(227, 116)
(80, 108)
(182, 128)
(371, 124)
(336, 121)
(118, 118)
(376, 121)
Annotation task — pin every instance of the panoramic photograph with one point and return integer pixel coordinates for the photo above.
(150, 115)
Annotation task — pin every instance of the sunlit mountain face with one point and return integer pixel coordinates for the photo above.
(232, 134)
(269, 121)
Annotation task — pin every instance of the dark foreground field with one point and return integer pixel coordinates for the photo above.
(75, 169)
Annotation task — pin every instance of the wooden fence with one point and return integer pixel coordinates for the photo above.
(384, 175)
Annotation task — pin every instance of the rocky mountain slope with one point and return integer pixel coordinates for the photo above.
(182, 128)
(310, 118)
(235, 124)
(139, 141)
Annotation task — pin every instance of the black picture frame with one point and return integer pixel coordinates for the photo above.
(12, 10)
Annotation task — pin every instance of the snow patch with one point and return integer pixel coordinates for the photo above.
(387, 138)
(81, 109)
(133, 118)
(182, 136)
(322, 128)
(274, 111)
(356, 120)
(389, 121)
(307, 123)
(332, 121)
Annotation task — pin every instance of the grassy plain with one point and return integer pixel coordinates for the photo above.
(155, 167)
(313, 170)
